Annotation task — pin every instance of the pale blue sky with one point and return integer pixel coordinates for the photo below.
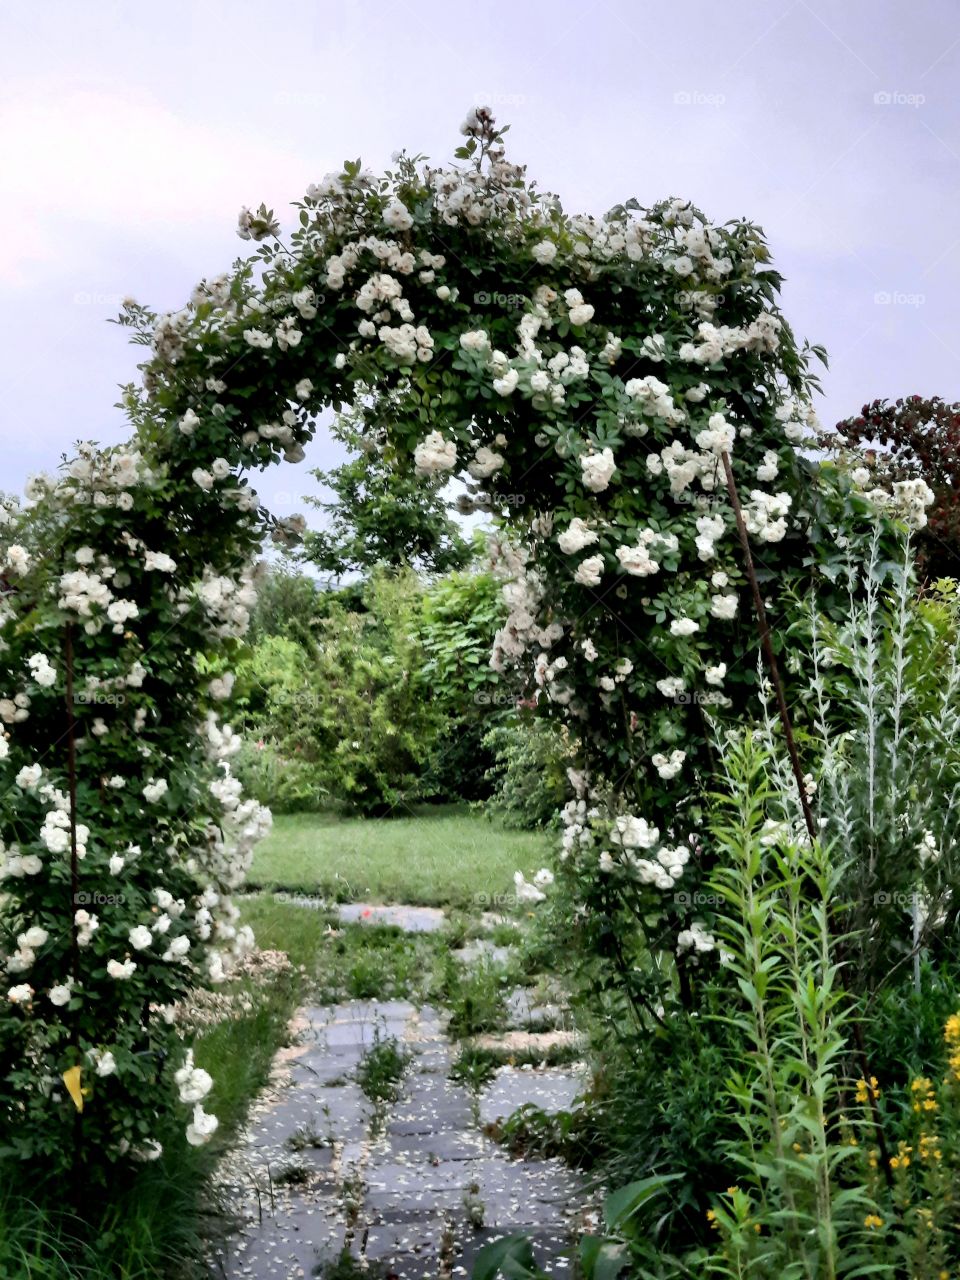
(131, 135)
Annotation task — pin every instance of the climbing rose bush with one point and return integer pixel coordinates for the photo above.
(122, 830)
(584, 379)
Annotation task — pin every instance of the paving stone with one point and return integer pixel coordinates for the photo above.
(449, 1144)
(410, 919)
(424, 1122)
(519, 1193)
(363, 1034)
(482, 950)
(359, 1011)
(436, 1061)
(333, 1113)
(394, 1241)
(410, 1213)
(552, 1089)
(396, 1201)
(524, 1013)
(278, 1251)
(319, 1067)
(430, 1110)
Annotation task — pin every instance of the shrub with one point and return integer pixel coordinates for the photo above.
(349, 712)
(528, 772)
(461, 613)
(288, 783)
(910, 439)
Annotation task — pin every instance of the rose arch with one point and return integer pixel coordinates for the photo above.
(585, 378)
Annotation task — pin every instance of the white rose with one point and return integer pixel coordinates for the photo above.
(544, 252)
(576, 536)
(597, 469)
(589, 571)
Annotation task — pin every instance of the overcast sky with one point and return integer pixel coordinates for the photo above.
(131, 135)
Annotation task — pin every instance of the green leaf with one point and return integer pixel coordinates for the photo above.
(621, 1205)
(513, 1256)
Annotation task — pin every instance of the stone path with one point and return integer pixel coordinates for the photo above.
(414, 1189)
(410, 919)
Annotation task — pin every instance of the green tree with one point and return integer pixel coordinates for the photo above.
(382, 515)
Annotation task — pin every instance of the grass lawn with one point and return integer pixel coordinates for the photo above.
(441, 855)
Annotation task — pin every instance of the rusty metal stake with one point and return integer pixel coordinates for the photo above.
(74, 873)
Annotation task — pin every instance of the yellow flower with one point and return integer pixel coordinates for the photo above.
(902, 1159)
(871, 1221)
(929, 1149)
(867, 1090)
(732, 1191)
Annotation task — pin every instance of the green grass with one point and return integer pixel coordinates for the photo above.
(436, 857)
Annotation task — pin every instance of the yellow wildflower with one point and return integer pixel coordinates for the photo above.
(867, 1090)
(871, 1221)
